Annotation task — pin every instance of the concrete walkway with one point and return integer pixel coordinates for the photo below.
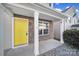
(29, 50)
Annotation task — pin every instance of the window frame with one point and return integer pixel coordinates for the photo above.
(41, 21)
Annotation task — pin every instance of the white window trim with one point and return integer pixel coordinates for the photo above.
(43, 29)
(44, 34)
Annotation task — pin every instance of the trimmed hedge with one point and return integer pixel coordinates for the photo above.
(71, 37)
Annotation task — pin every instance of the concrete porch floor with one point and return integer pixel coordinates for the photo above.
(48, 45)
(21, 51)
(29, 50)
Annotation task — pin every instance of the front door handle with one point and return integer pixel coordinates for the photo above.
(26, 33)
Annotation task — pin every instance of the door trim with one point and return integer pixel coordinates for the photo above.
(13, 47)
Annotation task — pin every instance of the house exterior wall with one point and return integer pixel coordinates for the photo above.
(8, 16)
(76, 19)
(31, 27)
(41, 38)
(73, 17)
(49, 35)
(69, 22)
(71, 11)
(31, 30)
(7, 27)
(56, 30)
(1, 31)
(66, 26)
(7, 31)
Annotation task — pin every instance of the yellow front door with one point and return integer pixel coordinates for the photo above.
(20, 31)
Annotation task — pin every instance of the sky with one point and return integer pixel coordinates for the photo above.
(62, 6)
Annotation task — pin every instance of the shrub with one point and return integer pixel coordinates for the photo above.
(71, 37)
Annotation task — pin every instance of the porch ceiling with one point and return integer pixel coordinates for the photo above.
(18, 10)
(21, 10)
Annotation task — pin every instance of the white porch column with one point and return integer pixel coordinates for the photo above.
(1, 37)
(1, 31)
(61, 31)
(36, 34)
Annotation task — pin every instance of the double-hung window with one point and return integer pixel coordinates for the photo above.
(43, 27)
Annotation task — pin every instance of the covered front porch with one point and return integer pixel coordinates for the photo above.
(45, 46)
(37, 12)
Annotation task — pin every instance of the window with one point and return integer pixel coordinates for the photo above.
(40, 31)
(45, 31)
(43, 27)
